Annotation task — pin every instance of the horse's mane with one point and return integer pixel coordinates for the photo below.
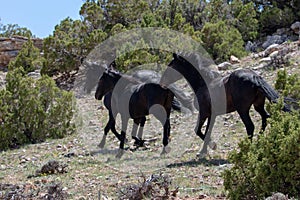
(201, 62)
(128, 78)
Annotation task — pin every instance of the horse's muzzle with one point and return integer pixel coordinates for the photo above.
(98, 97)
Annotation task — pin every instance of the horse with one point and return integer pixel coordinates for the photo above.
(186, 102)
(133, 99)
(185, 105)
(239, 90)
(111, 125)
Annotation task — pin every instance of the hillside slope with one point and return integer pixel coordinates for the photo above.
(83, 171)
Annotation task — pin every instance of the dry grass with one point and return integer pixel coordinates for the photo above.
(93, 172)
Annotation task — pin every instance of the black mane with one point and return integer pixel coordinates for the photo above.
(200, 62)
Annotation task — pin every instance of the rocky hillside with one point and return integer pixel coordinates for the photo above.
(9, 48)
(75, 168)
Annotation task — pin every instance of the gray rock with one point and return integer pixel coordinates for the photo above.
(283, 31)
(271, 49)
(35, 74)
(274, 39)
(278, 196)
(251, 46)
(296, 27)
(234, 60)
(274, 54)
(266, 60)
(224, 66)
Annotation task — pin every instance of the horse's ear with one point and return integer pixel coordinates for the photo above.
(113, 65)
(107, 69)
(175, 56)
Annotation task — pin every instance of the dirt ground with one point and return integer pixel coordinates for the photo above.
(94, 173)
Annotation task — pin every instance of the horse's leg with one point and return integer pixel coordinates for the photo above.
(123, 137)
(264, 116)
(111, 125)
(259, 106)
(139, 139)
(166, 136)
(135, 126)
(141, 128)
(248, 122)
(113, 129)
(106, 130)
(199, 125)
(207, 140)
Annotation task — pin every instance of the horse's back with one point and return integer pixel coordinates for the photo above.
(241, 86)
(147, 76)
(147, 95)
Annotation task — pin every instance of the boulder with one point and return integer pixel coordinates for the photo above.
(274, 39)
(234, 60)
(296, 27)
(265, 60)
(274, 54)
(224, 66)
(251, 46)
(271, 49)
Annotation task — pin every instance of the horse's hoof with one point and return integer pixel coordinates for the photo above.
(201, 155)
(120, 154)
(139, 143)
(126, 141)
(212, 145)
(166, 150)
(101, 144)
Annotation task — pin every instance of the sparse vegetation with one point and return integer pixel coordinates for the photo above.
(33, 110)
(269, 164)
(38, 114)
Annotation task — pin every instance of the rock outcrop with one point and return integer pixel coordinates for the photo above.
(9, 48)
(296, 28)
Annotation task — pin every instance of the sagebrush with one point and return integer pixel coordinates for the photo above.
(33, 110)
(271, 162)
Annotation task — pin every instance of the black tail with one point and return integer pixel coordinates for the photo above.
(176, 105)
(270, 93)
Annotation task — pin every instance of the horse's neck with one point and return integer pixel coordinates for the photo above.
(124, 82)
(197, 78)
(129, 80)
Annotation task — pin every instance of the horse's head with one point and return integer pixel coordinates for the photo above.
(106, 83)
(173, 72)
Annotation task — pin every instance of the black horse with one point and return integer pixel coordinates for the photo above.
(138, 125)
(135, 100)
(218, 95)
(186, 102)
(184, 105)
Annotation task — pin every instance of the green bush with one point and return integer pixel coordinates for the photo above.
(288, 85)
(28, 57)
(273, 18)
(270, 163)
(33, 110)
(222, 40)
(71, 42)
(10, 30)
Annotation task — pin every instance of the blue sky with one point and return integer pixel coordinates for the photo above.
(39, 16)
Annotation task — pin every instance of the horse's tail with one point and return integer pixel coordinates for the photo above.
(269, 92)
(176, 104)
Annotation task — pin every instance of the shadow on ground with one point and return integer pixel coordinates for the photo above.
(202, 161)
